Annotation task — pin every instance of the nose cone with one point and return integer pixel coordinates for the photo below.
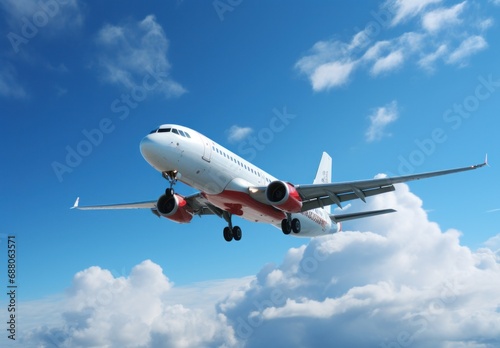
(147, 147)
(151, 151)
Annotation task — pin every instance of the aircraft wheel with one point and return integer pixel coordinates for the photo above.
(228, 235)
(286, 226)
(237, 233)
(296, 225)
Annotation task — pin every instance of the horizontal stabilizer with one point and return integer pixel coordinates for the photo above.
(345, 217)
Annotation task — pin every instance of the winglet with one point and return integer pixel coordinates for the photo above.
(485, 163)
(75, 206)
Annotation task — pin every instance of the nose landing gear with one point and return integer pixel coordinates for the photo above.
(172, 176)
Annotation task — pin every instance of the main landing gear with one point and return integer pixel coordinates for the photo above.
(231, 232)
(288, 225)
(172, 176)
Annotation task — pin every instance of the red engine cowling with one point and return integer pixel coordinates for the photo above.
(284, 196)
(174, 208)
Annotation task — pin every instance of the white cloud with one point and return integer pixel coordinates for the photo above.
(135, 55)
(237, 133)
(380, 119)
(401, 282)
(406, 9)
(54, 17)
(101, 310)
(493, 243)
(428, 61)
(330, 64)
(331, 75)
(485, 24)
(390, 62)
(468, 47)
(405, 283)
(435, 20)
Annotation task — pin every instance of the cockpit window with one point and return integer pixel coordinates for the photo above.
(173, 130)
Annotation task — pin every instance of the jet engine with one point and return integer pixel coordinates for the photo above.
(174, 207)
(284, 196)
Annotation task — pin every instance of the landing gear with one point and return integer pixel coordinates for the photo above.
(296, 225)
(228, 234)
(231, 232)
(237, 233)
(172, 176)
(288, 225)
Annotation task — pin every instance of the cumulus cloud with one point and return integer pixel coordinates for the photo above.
(393, 281)
(494, 243)
(237, 133)
(401, 282)
(135, 55)
(437, 35)
(380, 119)
(101, 310)
(435, 20)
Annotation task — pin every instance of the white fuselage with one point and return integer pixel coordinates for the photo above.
(223, 177)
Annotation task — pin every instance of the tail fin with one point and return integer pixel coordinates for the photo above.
(324, 173)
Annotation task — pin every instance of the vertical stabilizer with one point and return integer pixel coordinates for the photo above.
(324, 173)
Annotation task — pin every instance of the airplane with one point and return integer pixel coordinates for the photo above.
(229, 185)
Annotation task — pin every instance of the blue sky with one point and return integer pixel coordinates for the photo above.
(392, 87)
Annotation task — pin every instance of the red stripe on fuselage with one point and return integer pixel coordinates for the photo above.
(241, 204)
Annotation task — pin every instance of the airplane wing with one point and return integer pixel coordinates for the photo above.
(352, 216)
(198, 204)
(318, 195)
